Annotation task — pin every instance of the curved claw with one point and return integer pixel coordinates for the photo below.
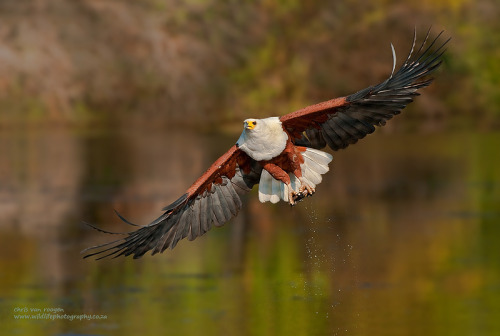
(293, 196)
(305, 190)
(297, 197)
(308, 190)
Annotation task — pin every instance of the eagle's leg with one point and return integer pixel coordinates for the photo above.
(304, 191)
(291, 194)
(306, 188)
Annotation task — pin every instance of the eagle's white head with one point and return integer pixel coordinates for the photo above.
(262, 139)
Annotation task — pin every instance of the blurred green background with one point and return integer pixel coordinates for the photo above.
(123, 104)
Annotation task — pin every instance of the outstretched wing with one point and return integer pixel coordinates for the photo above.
(343, 121)
(212, 200)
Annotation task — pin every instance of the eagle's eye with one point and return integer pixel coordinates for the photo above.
(250, 124)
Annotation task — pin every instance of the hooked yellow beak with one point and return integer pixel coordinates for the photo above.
(250, 124)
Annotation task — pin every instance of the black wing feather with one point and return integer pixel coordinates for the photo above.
(186, 217)
(376, 104)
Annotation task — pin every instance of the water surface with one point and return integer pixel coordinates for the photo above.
(400, 239)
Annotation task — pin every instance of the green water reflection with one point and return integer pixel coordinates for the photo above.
(401, 239)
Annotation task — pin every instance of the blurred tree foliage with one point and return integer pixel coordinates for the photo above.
(206, 61)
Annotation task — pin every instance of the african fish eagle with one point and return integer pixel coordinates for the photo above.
(282, 155)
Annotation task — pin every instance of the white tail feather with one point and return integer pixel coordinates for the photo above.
(284, 192)
(322, 158)
(315, 164)
(276, 191)
(311, 175)
(265, 186)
